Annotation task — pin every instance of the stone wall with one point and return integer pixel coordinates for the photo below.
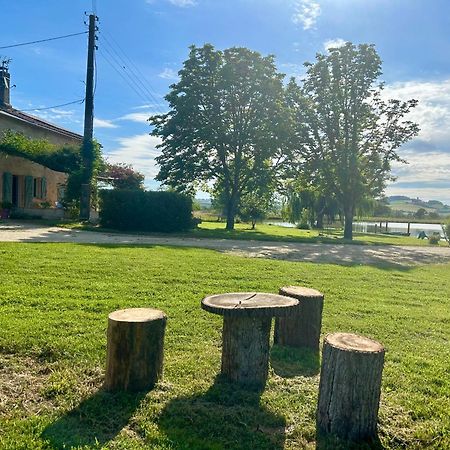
(22, 167)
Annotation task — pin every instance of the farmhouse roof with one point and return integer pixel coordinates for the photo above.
(36, 121)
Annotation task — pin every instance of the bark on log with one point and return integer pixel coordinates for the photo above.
(245, 351)
(350, 386)
(302, 327)
(135, 349)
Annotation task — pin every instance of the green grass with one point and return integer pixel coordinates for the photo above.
(265, 232)
(54, 302)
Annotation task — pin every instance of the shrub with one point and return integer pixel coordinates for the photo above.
(434, 238)
(303, 224)
(145, 210)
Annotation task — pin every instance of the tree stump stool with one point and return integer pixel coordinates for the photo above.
(302, 327)
(247, 319)
(135, 349)
(350, 386)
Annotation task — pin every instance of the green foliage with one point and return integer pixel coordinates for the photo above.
(345, 134)
(303, 223)
(138, 210)
(434, 238)
(420, 213)
(62, 159)
(254, 207)
(226, 125)
(66, 159)
(122, 176)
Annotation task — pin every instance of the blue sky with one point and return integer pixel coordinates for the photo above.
(150, 38)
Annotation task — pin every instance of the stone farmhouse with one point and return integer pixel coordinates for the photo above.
(26, 184)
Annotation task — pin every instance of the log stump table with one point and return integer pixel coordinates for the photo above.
(302, 327)
(247, 318)
(350, 386)
(135, 349)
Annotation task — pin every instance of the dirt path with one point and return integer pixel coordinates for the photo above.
(394, 256)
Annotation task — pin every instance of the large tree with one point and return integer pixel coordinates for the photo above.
(346, 132)
(226, 124)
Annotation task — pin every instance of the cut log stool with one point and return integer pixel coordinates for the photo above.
(350, 386)
(302, 327)
(246, 332)
(135, 349)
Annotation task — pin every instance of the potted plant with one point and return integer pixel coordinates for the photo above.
(5, 209)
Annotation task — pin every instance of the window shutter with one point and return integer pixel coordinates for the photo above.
(7, 187)
(28, 191)
(44, 188)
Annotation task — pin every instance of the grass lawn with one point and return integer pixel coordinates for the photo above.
(265, 232)
(54, 301)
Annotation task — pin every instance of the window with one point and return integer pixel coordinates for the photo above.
(37, 187)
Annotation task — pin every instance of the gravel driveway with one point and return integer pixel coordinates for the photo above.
(395, 256)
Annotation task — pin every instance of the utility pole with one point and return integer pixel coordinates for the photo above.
(88, 153)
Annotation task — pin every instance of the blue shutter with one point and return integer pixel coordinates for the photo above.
(28, 191)
(44, 188)
(7, 187)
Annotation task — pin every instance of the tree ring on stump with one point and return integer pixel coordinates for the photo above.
(137, 315)
(300, 292)
(353, 343)
(250, 304)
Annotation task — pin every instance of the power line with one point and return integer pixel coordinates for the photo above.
(43, 40)
(132, 68)
(113, 65)
(126, 75)
(55, 106)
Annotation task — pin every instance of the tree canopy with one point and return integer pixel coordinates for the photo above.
(226, 125)
(122, 176)
(346, 133)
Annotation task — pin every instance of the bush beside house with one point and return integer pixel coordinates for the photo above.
(136, 210)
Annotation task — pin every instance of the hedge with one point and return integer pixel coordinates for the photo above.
(145, 210)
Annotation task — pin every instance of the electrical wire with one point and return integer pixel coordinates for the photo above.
(127, 64)
(126, 76)
(43, 40)
(134, 79)
(113, 65)
(55, 106)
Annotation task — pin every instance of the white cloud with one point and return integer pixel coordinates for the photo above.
(306, 13)
(333, 43)
(140, 151)
(433, 111)
(428, 173)
(169, 74)
(298, 71)
(140, 117)
(183, 3)
(103, 123)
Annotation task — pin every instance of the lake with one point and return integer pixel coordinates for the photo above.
(393, 227)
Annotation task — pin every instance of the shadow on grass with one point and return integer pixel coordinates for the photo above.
(95, 421)
(289, 362)
(226, 416)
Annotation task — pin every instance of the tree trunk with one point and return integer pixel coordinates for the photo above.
(245, 352)
(348, 226)
(231, 211)
(135, 349)
(350, 386)
(320, 221)
(302, 327)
